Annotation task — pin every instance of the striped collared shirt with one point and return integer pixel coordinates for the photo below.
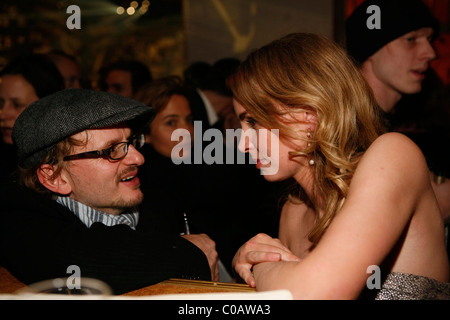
(89, 215)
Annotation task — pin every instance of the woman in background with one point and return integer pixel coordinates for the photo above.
(23, 80)
(168, 97)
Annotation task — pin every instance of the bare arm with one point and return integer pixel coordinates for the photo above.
(260, 248)
(383, 197)
(442, 191)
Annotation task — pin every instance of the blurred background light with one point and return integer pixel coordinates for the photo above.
(120, 10)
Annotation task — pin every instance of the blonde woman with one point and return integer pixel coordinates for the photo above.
(363, 211)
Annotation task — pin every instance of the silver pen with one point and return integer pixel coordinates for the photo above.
(186, 225)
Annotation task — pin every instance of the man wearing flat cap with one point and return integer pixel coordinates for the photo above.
(394, 59)
(77, 201)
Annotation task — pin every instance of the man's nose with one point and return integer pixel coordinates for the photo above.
(134, 157)
(428, 51)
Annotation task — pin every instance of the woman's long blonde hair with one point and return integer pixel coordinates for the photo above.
(305, 71)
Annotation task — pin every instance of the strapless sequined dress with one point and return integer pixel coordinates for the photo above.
(404, 286)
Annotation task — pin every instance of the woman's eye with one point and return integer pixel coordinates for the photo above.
(251, 122)
(19, 106)
(190, 119)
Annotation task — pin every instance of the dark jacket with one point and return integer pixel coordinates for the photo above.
(40, 238)
(8, 162)
(230, 203)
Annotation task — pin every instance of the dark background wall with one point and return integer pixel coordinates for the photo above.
(235, 27)
(168, 35)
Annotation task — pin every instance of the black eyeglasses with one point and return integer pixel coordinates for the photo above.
(115, 152)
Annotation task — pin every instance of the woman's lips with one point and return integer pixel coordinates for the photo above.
(6, 132)
(262, 163)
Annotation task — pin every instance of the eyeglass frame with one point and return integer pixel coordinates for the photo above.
(107, 152)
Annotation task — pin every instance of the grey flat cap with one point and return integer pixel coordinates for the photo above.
(53, 118)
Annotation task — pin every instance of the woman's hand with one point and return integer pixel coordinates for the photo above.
(260, 248)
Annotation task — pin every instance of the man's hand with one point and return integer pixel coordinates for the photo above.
(208, 246)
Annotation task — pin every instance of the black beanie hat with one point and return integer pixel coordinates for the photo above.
(398, 17)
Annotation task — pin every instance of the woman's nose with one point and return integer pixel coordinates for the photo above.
(6, 110)
(248, 142)
(243, 143)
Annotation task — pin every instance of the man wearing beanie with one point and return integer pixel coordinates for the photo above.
(394, 58)
(77, 201)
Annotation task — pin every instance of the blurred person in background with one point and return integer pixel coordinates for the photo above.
(124, 77)
(23, 80)
(69, 68)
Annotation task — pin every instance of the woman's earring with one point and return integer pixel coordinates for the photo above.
(309, 135)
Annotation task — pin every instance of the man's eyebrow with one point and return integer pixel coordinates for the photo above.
(110, 143)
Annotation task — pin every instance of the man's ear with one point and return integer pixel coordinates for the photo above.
(57, 184)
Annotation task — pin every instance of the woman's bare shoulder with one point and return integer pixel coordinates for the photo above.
(293, 208)
(395, 150)
(395, 141)
(393, 167)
